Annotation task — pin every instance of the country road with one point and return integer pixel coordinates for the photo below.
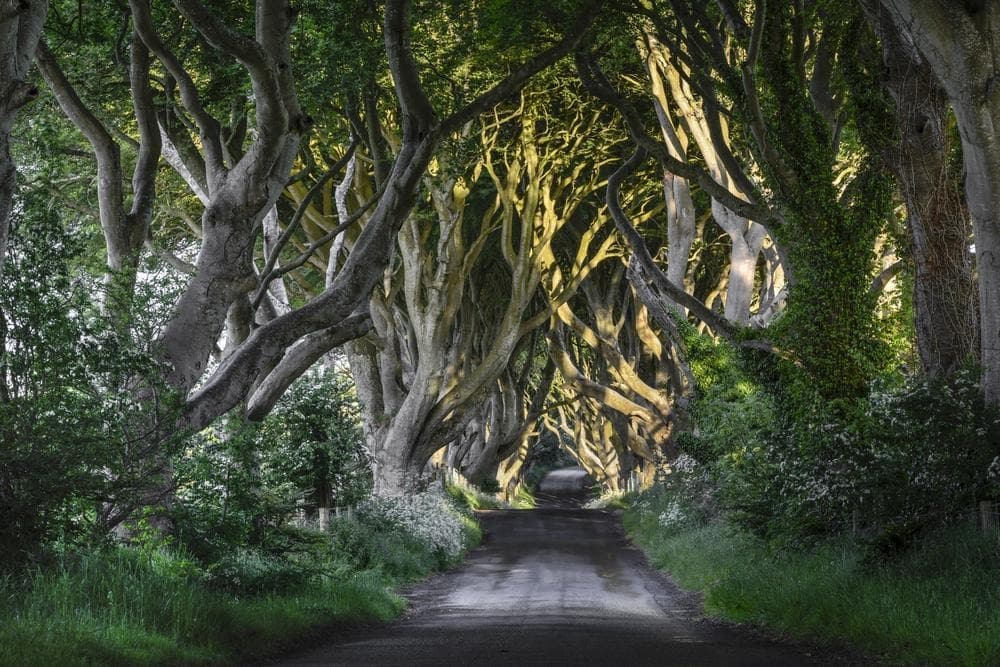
(553, 586)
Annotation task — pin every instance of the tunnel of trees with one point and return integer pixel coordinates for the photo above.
(260, 259)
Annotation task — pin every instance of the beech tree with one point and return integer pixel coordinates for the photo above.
(960, 42)
(21, 24)
(946, 300)
(825, 226)
(480, 226)
(441, 349)
(238, 177)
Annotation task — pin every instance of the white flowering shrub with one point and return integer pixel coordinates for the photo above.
(683, 497)
(673, 516)
(884, 467)
(429, 517)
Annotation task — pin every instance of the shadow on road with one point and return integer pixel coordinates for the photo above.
(558, 585)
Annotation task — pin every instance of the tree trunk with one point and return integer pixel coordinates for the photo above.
(20, 28)
(961, 41)
(945, 294)
(981, 150)
(8, 173)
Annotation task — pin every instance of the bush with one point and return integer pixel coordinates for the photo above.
(72, 431)
(794, 467)
(242, 483)
(887, 467)
(429, 517)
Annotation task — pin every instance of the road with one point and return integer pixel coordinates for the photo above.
(553, 586)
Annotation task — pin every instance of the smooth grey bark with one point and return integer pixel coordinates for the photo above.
(961, 41)
(676, 189)
(125, 226)
(746, 237)
(352, 285)
(446, 335)
(20, 29)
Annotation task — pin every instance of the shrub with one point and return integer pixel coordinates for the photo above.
(72, 431)
(886, 467)
(241, 483)
(427, 516)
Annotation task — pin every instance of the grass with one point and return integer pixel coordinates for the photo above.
(472, 498)
(524, 498)
(124, 606)
(939, 604)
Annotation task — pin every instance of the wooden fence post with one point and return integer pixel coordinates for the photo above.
(987, 517)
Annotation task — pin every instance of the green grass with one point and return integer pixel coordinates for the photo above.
(524, 498)
(126, 608)
(129, 607)
(938, 604)
(472, 499)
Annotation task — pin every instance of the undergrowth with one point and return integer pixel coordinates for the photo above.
(159, 606)
(936, 604)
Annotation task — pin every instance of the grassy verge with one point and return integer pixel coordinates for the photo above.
(126, 606)
(938, 604)
(524, 499)
(472, 498)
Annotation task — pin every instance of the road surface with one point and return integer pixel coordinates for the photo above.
(553, 586)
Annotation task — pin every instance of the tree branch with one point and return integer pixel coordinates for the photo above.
(208, 127)
(598, 85)
(150, 144)
(297, 360)
(648, 267)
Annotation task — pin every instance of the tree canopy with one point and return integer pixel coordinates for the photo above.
(639, 231)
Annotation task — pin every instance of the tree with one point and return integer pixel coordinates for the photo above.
(784, 98)
(238, 177)
(961, 42)
(21, 24)
(451, 318)
(946, 301)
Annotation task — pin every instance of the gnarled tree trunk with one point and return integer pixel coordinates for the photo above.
(961, 41)
(20, 28)
(945, 296)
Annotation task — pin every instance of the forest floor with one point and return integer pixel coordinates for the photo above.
(556, 586)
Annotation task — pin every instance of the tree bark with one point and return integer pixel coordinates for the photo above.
(20, 29)
(945, 294)
(961, 41)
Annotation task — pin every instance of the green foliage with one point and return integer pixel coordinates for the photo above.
(471, 498)
(730, 410)
(71, 427)
(909, 460)
(241, 483)
(906, 459)
(126, 607)
(524, 498)
(133, 606)
(829, 325)
(934, 606)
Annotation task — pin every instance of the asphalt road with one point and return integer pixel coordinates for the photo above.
(553, 586)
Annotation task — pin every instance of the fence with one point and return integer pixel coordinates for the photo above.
(985, 515)
(446, 475)
(988, 517)
(633, 482)
(323, 515)
(440, 474)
